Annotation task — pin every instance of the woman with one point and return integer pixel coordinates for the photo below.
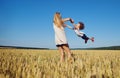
(60, 37)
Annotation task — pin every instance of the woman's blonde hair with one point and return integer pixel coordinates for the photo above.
(58, 20)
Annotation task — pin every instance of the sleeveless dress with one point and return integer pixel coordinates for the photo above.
(60, 36)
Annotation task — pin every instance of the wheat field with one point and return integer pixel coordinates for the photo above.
(28, 63)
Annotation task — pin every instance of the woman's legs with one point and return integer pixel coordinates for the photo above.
(62, 54)
(66, 48)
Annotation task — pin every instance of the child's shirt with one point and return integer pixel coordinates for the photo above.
(79, 33)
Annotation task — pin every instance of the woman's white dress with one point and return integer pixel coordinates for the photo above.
(60, 37)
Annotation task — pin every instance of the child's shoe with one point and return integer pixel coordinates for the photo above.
(92, 39)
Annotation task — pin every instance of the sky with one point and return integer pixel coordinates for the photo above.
(29, 23)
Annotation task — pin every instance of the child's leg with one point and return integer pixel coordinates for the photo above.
(85, 38)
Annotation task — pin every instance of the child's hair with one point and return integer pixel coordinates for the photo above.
(81, 25)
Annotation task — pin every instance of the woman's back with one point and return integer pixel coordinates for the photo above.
(60, 37)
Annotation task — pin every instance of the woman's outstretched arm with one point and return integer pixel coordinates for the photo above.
(67, 19)
(70, 27)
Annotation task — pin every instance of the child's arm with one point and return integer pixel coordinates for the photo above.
(74, 24)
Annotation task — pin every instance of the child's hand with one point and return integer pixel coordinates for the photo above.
(71, 20)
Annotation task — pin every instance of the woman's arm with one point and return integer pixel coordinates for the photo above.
(66, 19)
(69, 27)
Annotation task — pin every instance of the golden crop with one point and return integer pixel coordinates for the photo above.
(27, 63)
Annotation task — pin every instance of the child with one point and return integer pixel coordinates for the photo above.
(77, 28)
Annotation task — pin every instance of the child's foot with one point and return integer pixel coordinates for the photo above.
(92, 39)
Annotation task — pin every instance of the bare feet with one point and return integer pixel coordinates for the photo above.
(71, 59)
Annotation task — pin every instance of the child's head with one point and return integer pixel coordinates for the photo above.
(81, 25)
